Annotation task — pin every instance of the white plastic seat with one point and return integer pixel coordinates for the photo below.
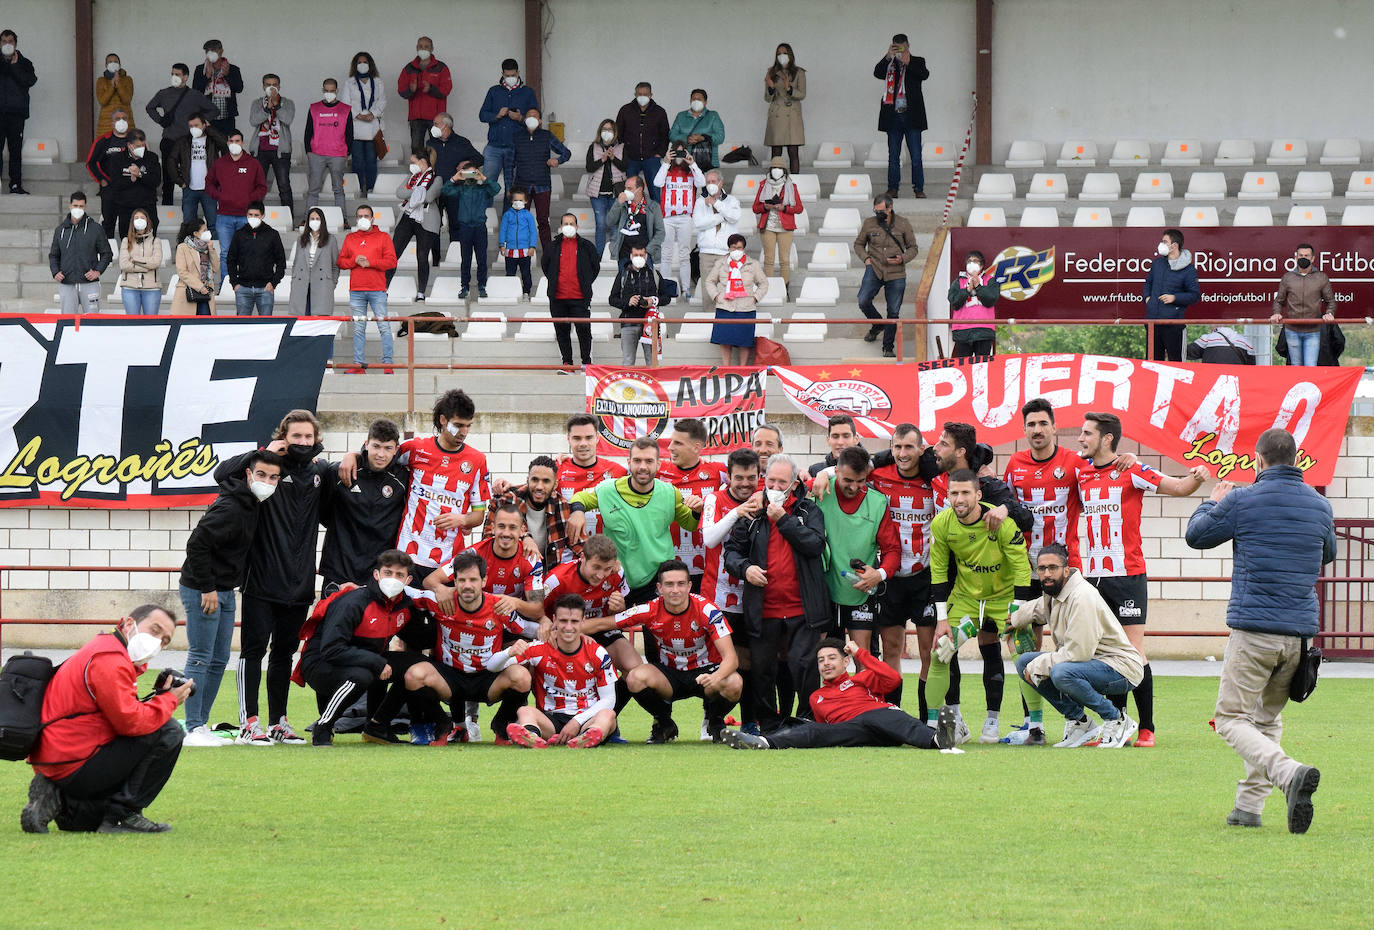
(1206, 185)
(1039, 216)
(936, 154)
(840, 221)
(1153, 185)
(830, 256)
(1313, 185)
(386, 187)
(834, 155)
(1287, 152)
(808, 187)
(791, 259)
(493, 221)
(1128, 152)
(408, 257)
(696, 327)
(1145, 216)
(745, 187)
(172, 287)
(1101, 186)
(608, 262)
(1182, 153)
(555, 187)
(1359, 214)
(1199, 216)
(334, 217)
(1299, 215)
(401, 290)
(586, 219)
(171, 216)
(39, 151)
(535, 330)
(1048, 186)
(818, 291)
(877, 155)
(602, 325)
(803, 220)
(502, 291)
(601, 289)
(1340, 152)
(852, 187)
(1259, 185)
(805, 332)
(445, 292)
(994, 186)
(486, 330)
(341, 289)
(384, 218)
(1235, 152)
(282, 292)
(169, 254)
(1092, 216)
(1360, 186)
(1026, 153)
(1255, 214)
(453, 254)
(764, 327)
(777, 293)
(540, 297)
(987, 216)
(279, 218)
(1077, 153)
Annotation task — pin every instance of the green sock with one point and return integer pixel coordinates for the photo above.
(1035, 701)
(937, 683)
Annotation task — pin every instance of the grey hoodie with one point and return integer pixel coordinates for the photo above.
(78, 248)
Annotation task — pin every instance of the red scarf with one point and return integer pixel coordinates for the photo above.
(735, 278)
(895, 88)
(422, 179)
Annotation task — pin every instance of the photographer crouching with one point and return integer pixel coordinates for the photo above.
(104, 755)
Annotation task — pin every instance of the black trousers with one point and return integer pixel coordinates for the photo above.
(976, 347)
(275, 164)
(885, 727)
(425, 241)
(12, 138)
(122, 778)
(1169, 343)
(337, 688)
(124, 213)
(267, 623)
(108, 213)
(792, 635)
(165, 147)
(563, 331)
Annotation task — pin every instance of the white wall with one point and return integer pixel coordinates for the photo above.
(45, 30)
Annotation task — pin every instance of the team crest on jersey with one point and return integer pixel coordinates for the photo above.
(491, 625)
(1058, 473)
(695, 627)
(465, 467)
(586, 667)
(316, 480)
(1115, 474)
(386, 490)
(702, 476)
(628, 405)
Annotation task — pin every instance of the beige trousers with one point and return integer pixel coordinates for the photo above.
(1255, 675)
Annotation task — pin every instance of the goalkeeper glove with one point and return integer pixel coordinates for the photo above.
(961, 632)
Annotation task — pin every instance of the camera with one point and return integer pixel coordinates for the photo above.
(167, 679)
(467, 174)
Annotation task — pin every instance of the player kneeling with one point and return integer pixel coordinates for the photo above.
(574, 685)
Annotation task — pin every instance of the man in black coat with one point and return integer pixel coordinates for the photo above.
(256, 264)
(570, 288)
(16, 77)
(362, 519)
(903, 113)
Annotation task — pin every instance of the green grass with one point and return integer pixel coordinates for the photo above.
(695, 835)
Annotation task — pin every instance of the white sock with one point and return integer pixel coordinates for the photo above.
(992, 715)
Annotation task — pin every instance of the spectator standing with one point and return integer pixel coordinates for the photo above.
(368, 255)
(134, 178)
(140, 256)
(972, 296)
(736, 285)
(453, 154)
(171, 108)
(419, 218)
(701, 129)
(503, 110)
(1304, 294)
(638, 288)
(235, 180)
(784, 88)
(887, 244)
(198, 262)
(328, 137)
(635, 220)
(365, 95)
(642, 126)
(476, 194)
(536, 152)
(1224, 346)
(79, 254)
(16, 78)
(902, 115)
(103, 150)
(114, 90)
(571, 265)
(221, 83)
(314, 268)
(256, 263)
(1171, 286)
(678, 180)
(516, 239)
(269, 137)
(777, 204)
(605, 176)
(716, 218)
(424, 83)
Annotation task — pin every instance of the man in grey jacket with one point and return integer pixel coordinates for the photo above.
(79, 254)
(269, 138)
(1281, 532)
(170, 108)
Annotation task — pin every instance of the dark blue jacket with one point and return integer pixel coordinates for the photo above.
(450, 153)
(1282, 532)
(1163, 279)
(532, 153)
(501, 130)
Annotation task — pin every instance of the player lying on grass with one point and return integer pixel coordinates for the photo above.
(574, 685)
(850, 710)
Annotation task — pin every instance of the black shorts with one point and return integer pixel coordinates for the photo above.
(684, 684)
(418, 574)
(905, 599)
(1126, 595)
(642, 594)
(606, 638)
(467, 686)
(859, 617)
(696, 583)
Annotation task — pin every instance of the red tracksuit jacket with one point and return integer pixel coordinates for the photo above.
(850, 695)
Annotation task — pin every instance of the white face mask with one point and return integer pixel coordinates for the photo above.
(414, 168)
(423, 54)
(143, 647)
(235, 149)
(140, 223)
(698, 106)
(254, 221)
(206, 235)
(77, 213)
(569, 231)
(639, 261)
(197, 132)
(531, 123)
(712, 189)
(176, 80)
(364, 223)
(391, 587)
(121, 126)
(606, 137)
(7, 49)
(315, 225)
(736, 254)
(784, 60)
(330, 96)
(642, 100)
(1162, 248)
(212, 57)
(776, 174)
(776, 496)
(261, 489)
(435, 131)
(362, 67)
(973, 267)
(111, 67)
(511, 82)
(138, 151)
(517, 205)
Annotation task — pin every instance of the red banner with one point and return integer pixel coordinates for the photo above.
(1058, 273)
(1208, 414)
(633, 402)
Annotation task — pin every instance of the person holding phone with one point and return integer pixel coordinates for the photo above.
(903, 112)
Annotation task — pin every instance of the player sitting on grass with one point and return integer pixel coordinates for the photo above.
(574, 685)
(850, 710)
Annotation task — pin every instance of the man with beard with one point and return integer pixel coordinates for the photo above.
(545, 535)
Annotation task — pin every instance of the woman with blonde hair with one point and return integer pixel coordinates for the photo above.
(140, 255)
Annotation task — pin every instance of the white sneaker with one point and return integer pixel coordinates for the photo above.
(1118, 733)
(203, 736)
(474, 730)
(281, 732)
(705, 734)
(1078, 732)
(962, 734)
(252, 734)
(991, 732)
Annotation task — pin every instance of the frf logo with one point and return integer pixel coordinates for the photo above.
(1021, 272)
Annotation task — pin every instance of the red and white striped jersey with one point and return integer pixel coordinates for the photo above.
(573, 477)
(440, 482)
(911, 504)
(566, 579)
(702, 479)
(1049, 489)
(516, 576)
(466, 641)
(686, 641)
(1111, 509)
(678, 195)
(718, 586)
(568, 683)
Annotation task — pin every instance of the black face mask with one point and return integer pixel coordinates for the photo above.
(300, 452)
(1304, 263)
(881, 215)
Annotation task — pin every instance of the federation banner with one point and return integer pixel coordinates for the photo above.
(119, 413)
(1208, 414)
(1068, 273)
(633, 402)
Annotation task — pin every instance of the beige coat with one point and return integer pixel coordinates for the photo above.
(188, 270)
(784, 126)
(1083, 628)
(755, 283)
(139, 264)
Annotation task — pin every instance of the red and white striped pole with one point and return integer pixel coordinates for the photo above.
(959, 164)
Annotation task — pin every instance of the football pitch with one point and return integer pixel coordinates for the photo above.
(697, 835)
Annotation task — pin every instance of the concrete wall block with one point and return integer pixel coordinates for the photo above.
(170, 559)
(1359, 487)
(109, 581)
(61, 557)
(1352, 466)
(116, 540)
(169, 520)
(153, 581)
(69, 581)
(1175, 547)
(1180, 506)
(154, 540)
(1165, 567)
(1180, 590)
(1336, 489)
(90, 519)
(179, 539)
(1216, 590)
(26, 581)
(14, 518)
(128, 519)
(70, 539)
(1358, 446)
(1164, 527)
(29, 539)
(510, 442)
(43, 518)
(91, 557)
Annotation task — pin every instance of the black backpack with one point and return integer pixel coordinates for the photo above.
(23, 681)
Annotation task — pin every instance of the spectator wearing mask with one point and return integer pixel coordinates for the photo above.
(784, 88)
(605, 176)
(221, 83)
(367, 254)
(114, 90)
(736, 285)
(424, 83)
(777, 204)
(269, 138)
(172, 108)
(328, 137)
(887, 244)
(503, 110)
(235, 181)
(642, 125)
(903, 113)
(16, 78)
(638, 289)
(453, 153)
(314, 268)
(1171, 287)
(516, 239)
(635, 221)
(99, 167)
(256, 263)
(1304, 294)
(1222, 346)
(140, 256)
(365, 95)
(189, 166)
(198, 262)
(678, 180)
(972, 297)
(571, 265)
(716, 218)
(134, 178)
(536, 152)
(476, 194)
(419, 219)
(701, 129)
(79, 254)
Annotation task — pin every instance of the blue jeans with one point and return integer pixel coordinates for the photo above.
(191, 200)
(360, 302)
(364, 154)
(210, 637)
(1072, 686)
(225, 227)
(248, 299)
(893, 291)
(472, 240)
(646, 168)
(1303, 347)
(140, 303)
(912, 137)
(601, 206)
(499, 158)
